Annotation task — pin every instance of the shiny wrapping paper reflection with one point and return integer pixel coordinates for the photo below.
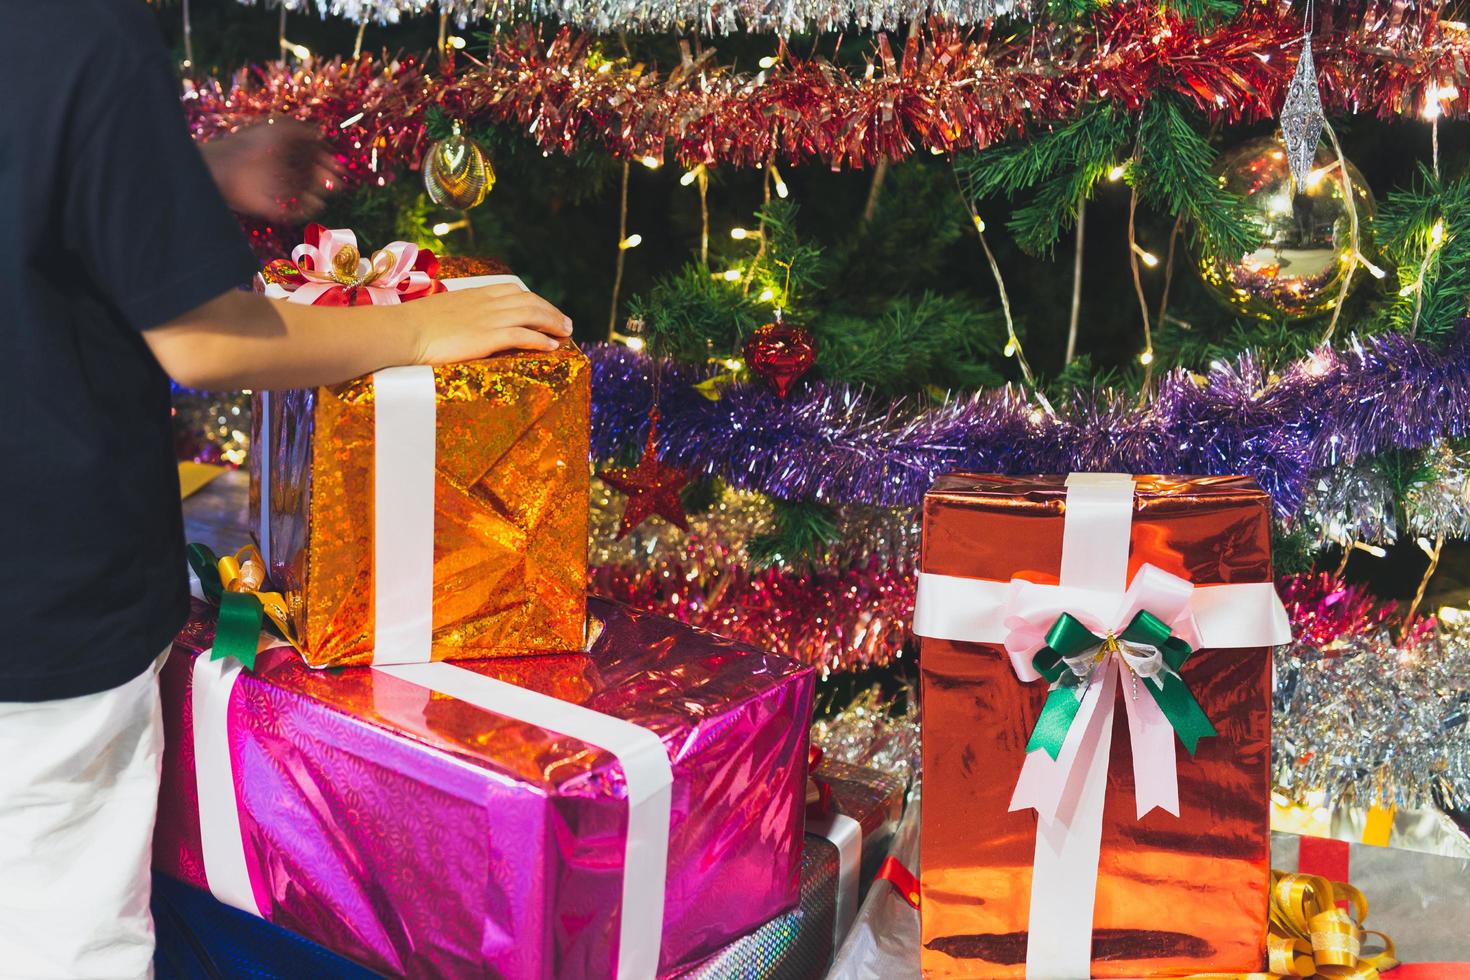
(423, 837)
(510, 509)
(1175, 896)
(800, 942)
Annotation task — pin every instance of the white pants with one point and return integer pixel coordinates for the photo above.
(78, 795)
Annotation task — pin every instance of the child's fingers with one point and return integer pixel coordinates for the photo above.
(530, 310)
(521, 338)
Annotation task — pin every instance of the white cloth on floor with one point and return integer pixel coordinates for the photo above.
(78, 796)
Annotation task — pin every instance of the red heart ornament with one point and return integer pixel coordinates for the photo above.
(780, 352)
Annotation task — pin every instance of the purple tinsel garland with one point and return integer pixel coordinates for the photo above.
(837, 443)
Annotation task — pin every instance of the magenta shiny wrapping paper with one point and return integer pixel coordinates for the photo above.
(424, 837)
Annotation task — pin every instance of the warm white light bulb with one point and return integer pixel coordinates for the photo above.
(1377, 271)
(1436, 234)
(767, 62)
(739, 234)
(767, 295)
(1116, 174)
(456, 42)
(442, 228)
(651, 162)
(979, 224)
(1146, 358)
(690, 176)
(632, 241)
(732, 275)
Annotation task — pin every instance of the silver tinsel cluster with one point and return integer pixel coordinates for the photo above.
(1374, 720)
(1356, 502)
(603, 16)
(874, 730)
(1440, 505)
(718, 537)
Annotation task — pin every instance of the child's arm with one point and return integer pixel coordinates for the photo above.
(243, 340)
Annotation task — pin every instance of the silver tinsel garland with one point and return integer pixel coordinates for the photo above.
(874, 730)
(1356, 502)
(783, 17)
(1373, 720)
(718, 537)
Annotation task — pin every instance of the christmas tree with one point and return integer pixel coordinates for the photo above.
(821, 253)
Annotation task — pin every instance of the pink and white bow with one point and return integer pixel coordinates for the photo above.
(328, 269)
(1051, 786)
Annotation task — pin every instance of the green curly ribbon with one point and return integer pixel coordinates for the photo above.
(1068, 638)
(237, 633)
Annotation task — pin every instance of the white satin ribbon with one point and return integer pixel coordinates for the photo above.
(225, 870)
(405, 429)
(1068, 793)
(640, 753)
(846, 834)
(403, 514)
(647, 774)
(261, 457)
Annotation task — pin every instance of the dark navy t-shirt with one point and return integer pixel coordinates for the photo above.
(109, 225)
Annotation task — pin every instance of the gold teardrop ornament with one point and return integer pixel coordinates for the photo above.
(457, 173)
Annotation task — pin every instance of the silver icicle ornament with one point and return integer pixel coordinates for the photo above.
(1302, 117)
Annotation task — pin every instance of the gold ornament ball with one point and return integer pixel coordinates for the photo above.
(1306, 234)
(457, 174)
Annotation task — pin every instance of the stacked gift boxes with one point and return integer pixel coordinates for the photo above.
(198, 935)
(419, 833)
(493, 775)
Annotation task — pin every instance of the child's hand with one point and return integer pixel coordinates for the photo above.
(279, 171)
(467, 324)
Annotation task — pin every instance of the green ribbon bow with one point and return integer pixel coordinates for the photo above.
(1068, 640)
(241, 614)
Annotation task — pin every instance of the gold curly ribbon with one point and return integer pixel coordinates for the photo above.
(245, 571)
(1311, 937)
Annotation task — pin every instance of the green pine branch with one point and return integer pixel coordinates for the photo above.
(1405, 228)
(1052, 210)
(1020, 164)
(690, 315)
(1172, 173)
(801, 531)
(915, 343)
(1205, 11)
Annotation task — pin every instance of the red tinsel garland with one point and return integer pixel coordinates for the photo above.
(858, 616)
(837, 619)
(950, 89)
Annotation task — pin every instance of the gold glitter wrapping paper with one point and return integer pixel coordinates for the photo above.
(510, 509)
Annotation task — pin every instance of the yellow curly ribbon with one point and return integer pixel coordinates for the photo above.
(1311, 937)
(245, 571)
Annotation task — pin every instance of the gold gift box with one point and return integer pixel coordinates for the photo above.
(510, 509)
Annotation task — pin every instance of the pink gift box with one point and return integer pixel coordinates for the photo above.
(422, 836)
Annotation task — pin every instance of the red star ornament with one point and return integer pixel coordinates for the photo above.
(652, 487)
